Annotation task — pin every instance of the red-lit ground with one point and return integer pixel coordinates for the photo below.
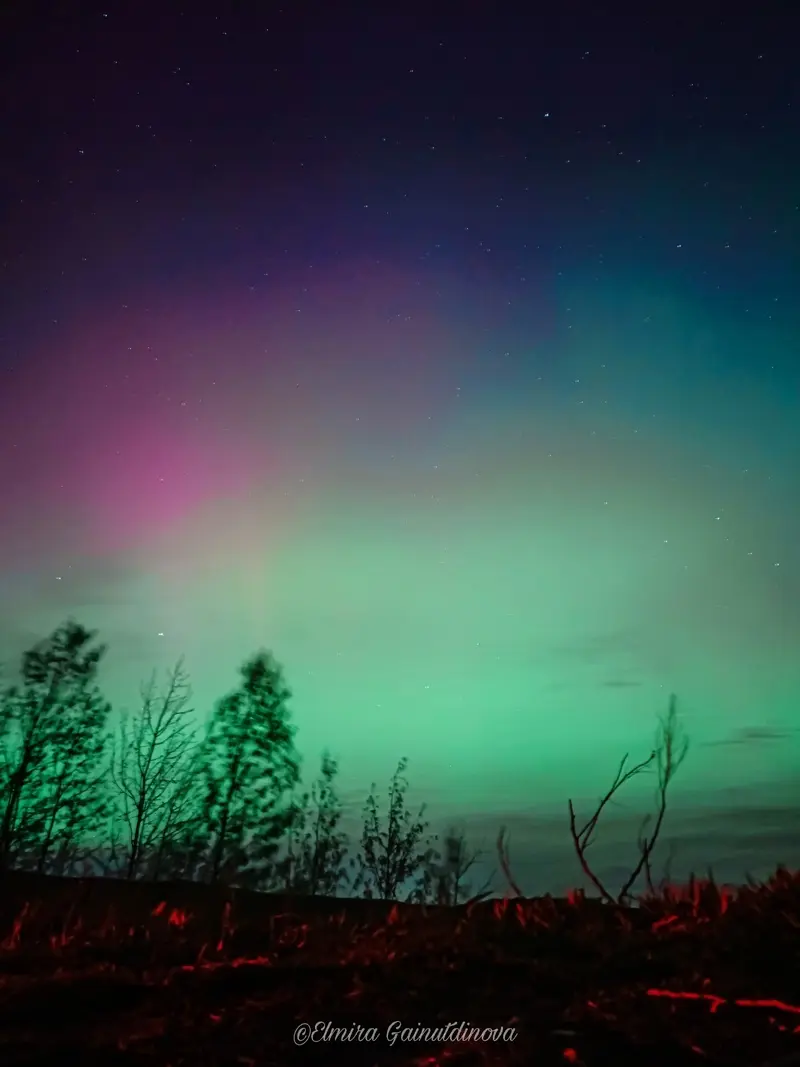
(102, 972)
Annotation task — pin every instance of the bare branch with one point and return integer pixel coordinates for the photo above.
(152, 751)
(668, 754)
(505, 863)
(671, 749)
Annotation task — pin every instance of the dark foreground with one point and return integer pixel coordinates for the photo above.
(99, 972)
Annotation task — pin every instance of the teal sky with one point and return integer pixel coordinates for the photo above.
(510, 602)
(465, 379)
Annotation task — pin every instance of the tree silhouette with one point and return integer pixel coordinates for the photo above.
(669, 753)
(182, 838)
(458, 860)
(250, 764)
(53, 741)
(399, 853)
(150, 757)
(316, 847)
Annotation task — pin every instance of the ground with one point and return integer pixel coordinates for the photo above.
(99, 971)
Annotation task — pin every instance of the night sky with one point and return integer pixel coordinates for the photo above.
(455, 361)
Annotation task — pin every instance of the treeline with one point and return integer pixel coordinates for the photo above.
(157, 794)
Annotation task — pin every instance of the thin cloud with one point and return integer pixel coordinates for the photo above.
(751, 735)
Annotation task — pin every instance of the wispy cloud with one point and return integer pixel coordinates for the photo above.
(751, 735)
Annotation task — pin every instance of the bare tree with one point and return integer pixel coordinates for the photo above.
(182, 837)
(458, 860)
(667, 756)
(399, 853)
(149, 761)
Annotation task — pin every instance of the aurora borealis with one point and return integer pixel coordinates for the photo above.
(444, 365)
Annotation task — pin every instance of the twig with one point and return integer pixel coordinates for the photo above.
(502, 851)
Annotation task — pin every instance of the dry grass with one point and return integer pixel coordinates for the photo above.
(105, 972)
